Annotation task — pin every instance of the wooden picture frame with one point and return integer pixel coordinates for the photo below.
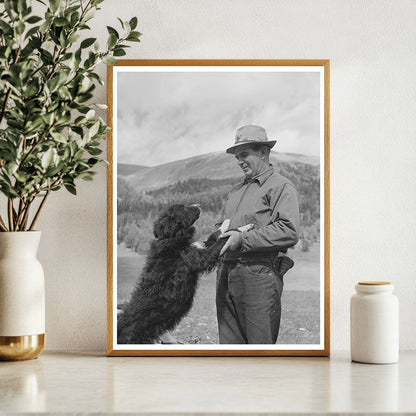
(163, 112)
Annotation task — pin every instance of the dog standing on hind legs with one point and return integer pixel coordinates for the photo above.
(164, 294)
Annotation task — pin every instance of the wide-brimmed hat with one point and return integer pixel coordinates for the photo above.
(250, 134)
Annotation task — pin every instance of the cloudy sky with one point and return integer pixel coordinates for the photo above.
(167, 116)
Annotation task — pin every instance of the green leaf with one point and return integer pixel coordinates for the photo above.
(31, 90)
(87, 42)
(31, 32)
(90, 114)
(133, 37)
(119, 52)
(110, 60)
(80, 120)
(35, 125)
(77, 130)
(53, 83)
(58, 137)
(6, 29)
(26, 11)
(73, 38)
(52, 171)
(11, 168)
(121, 22)
(64, 93)
(48, 118)
(6, 146)
(63, 41)
(94, 151)
(70, 188)
(21, 177)
(111, 30)
(63, 119)
(85, 85)
(82, 166)
(94, 129)
(70, 10)
(90, 14)
(47, 158)
(67, 56)
(86, 176)
(74, 18)
(10, 7)
(96, 77)
(21, 5)
(67, 153)
(8, 52)
(54, 4)
(20, 28)
(16, 124)
(61, 21)
(92, 161)
(33, 19)
(8, 191)
(133, 23)
(112, 41)
(32, 45)
(46, 56)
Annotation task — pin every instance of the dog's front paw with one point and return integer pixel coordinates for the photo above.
(212, 239)
(197, 244)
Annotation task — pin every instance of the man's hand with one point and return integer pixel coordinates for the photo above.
(233, 242)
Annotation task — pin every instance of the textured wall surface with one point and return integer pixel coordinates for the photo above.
(371, 45)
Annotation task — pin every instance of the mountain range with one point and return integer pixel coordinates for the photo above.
(217, 165)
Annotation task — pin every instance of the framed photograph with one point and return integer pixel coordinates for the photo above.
(218, 208)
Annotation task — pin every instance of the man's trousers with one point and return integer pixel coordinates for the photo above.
(248, 302)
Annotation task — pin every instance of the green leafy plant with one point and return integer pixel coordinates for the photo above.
(50, 134)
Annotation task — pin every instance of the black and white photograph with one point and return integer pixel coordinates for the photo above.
(218, 208)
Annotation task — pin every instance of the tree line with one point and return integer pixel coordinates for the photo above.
(137, 210)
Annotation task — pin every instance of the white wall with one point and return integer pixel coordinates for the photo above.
(371, 45)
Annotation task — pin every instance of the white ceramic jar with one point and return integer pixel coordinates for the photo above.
(374, 323)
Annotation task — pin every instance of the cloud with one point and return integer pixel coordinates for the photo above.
(168, 116)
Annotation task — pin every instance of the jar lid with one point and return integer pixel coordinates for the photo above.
(373, 283)
(373, 287)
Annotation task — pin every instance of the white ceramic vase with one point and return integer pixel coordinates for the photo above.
(22, 296)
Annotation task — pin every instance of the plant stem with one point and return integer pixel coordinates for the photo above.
(39, 209)
(2, 224)
(26, 216)
(10, 213)
(20, 213)
(17, 217)
(3, 109)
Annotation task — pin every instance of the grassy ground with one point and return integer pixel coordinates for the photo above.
(300, 301)
(299, 324)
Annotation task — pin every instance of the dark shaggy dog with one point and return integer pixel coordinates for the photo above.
(164, 294)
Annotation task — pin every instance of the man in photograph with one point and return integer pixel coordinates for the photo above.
(250, 276)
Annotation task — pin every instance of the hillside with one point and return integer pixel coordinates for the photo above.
(124, 169)
(218, 165)
(144, 192)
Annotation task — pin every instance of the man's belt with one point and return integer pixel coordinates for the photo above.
(280, 262)
(252, 256)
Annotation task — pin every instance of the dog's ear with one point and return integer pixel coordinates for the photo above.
(161, 227)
